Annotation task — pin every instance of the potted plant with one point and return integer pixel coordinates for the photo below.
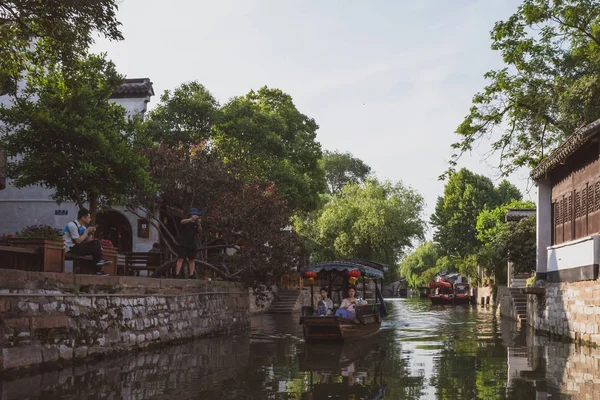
(50, 242)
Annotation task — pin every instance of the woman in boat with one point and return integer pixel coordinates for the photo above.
(347, 309)
(324, 306)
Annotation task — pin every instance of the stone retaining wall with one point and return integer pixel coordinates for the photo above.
(503, 303)
(204, 364)
(569, 310)
(51, 317)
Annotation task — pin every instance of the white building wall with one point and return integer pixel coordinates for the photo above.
(574, 254)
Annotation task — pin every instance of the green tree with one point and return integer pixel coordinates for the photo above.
(466, 194)
(36, 32)
(372, 220)
(516, 241)
(186, 114)
(237, 218)
(491, 227)
(549, 87)
(265, 137)
(419, 267)
(490, 221)
(342, 168)
(507, 192)
(62, 132)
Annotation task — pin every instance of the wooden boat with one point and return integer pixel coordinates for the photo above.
(461, 293)
(441, 293)
(367, 320)
(444, 292)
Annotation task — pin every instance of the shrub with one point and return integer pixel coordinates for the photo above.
(40, 232)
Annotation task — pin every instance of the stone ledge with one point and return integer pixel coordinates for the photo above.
(539, 291)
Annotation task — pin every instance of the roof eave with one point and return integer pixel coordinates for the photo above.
(565, 150)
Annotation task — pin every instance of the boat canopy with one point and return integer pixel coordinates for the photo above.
(342, 266)
(440, 285)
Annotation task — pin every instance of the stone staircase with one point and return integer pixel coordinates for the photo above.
(519, 304)
(285, 302)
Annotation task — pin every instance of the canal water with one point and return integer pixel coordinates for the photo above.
(421, 352)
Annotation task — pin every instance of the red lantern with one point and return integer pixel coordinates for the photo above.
(354, 273)
(310, 274)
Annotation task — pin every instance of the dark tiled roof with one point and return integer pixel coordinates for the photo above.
(134, 88)
(517, 214)
(566, 150)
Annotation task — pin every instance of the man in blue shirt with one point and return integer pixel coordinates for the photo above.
(77, 236)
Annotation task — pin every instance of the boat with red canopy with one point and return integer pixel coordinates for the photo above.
(445, 292)
(442, 292)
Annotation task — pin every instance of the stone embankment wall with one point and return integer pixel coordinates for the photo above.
(49, 318)
(569, 310)
(570, 368)
(503, 303)
(485, 295)
(204, 365)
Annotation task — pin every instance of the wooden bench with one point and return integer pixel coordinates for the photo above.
(81, 264)
(85, 265)
(141, 261)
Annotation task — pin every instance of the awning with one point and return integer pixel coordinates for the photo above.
(440, 285)
(342, 266)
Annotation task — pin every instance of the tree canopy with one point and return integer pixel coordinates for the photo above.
(185, 114)
(243, 236)
(466, 194)
(36, 32)
(420, 267)
(549, 87)
(372, 220)
(265, 136)
(261, 136)
(70, 138)
(342, 168)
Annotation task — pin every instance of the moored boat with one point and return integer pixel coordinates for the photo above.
(461, 293)
(367, 317)
(441, 292)
(444, 292)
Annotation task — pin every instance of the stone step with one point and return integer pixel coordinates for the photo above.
(286, 297)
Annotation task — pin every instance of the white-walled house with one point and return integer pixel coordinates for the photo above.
(33, 205)
(568, 209)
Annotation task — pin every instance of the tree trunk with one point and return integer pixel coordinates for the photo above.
(93, 208)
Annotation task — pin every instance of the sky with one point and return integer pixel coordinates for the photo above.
(388, 81)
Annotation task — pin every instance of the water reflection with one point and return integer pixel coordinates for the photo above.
(422, 352)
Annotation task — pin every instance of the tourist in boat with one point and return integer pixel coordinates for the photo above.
(325, 305)
(347, 309)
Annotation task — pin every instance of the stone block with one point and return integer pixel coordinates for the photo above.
(18, 357)
(81, 301)
(13, 279)
(138, 282)
(53, 280)
(65, 352)
(89, 282)
(50, 353)
(20, 324)
(49, 322)
(81, 352)
(50, 307)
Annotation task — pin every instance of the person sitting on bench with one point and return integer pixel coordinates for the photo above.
(77, 235)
